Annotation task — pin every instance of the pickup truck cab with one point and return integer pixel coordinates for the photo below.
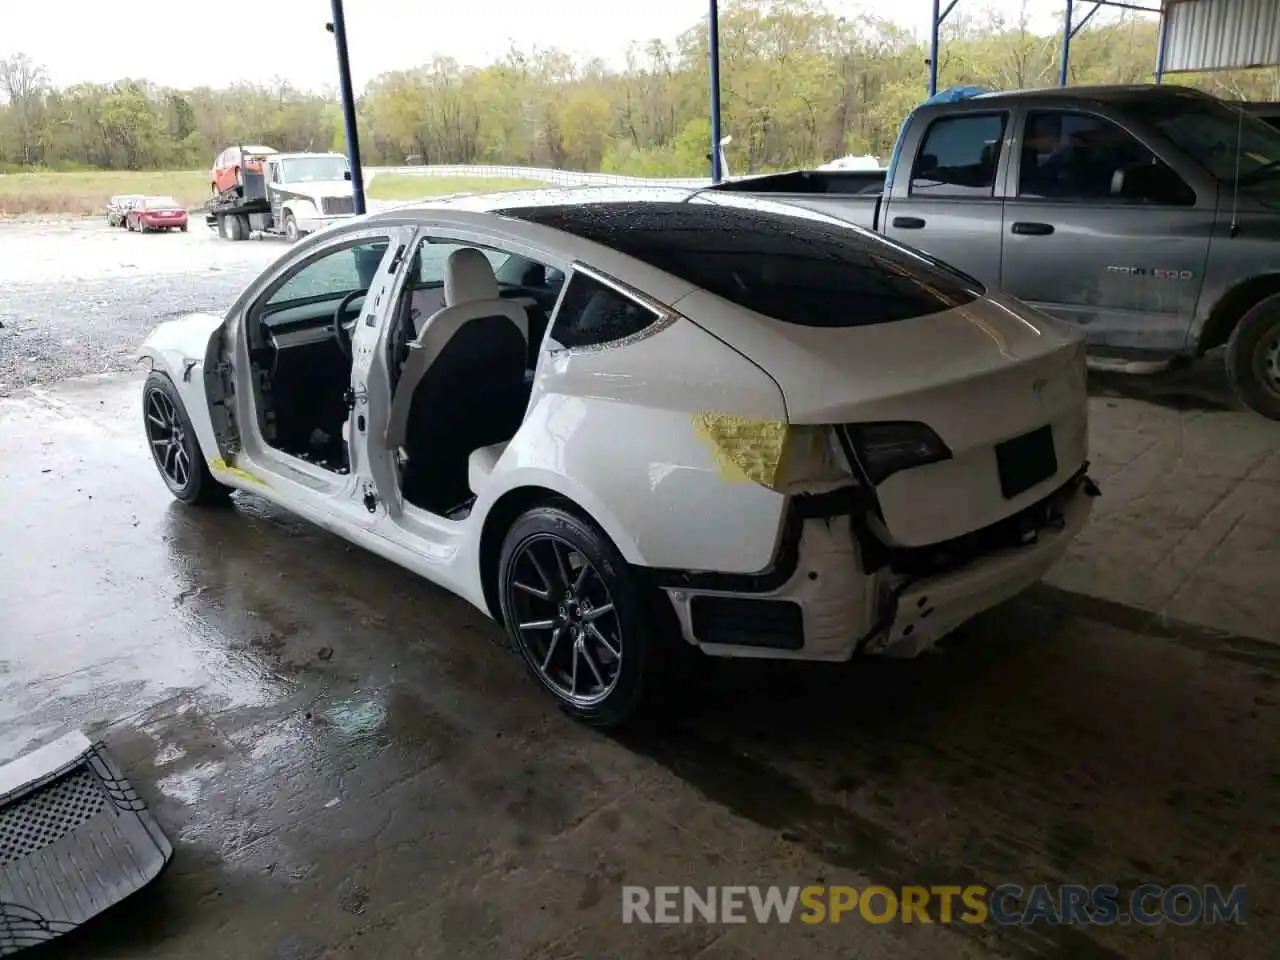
(1149, 216)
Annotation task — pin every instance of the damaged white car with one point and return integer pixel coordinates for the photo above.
(630, 425)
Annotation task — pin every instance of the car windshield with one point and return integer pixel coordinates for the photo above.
(308, 169)
(161, 203)
(1208, 129)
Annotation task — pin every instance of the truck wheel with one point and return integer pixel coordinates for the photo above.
(1253, 358)
(290, 228)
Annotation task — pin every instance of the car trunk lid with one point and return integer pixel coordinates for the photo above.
(979, 375)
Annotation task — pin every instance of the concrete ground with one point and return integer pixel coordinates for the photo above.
(350, 762)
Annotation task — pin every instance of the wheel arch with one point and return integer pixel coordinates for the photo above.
(511, 505)
(1232, 306)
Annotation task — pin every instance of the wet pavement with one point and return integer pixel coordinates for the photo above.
(350, 762)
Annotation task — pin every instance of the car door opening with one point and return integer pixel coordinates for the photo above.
(464, 345)
(300, 351)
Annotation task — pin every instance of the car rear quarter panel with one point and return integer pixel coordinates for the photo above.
(615, 430)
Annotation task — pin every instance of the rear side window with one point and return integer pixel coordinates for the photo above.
(593, 313)
(795, 269)
(959, 157)
(1075, 156)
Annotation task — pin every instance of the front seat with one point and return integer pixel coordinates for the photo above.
(462, 385)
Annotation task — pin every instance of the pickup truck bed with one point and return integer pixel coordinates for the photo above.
(850, 195)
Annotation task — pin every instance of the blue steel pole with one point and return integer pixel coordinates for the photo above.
(1066, 47)
(1164, 32)
(713, 56)
(933, 47)
(339, 30)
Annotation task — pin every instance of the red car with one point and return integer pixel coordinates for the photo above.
(156, 213)
(232, 163)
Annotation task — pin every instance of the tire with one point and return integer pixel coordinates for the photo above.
(231, 227)
(172, 442)
(632, 677)
(290, 228)
(183, 228)
(1253, 358)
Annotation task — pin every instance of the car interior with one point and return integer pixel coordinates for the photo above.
(464, 348)
(464, 340)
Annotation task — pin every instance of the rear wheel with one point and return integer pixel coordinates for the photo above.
(174, 447)
(576, 614)
(233, 227)
(1253, 358)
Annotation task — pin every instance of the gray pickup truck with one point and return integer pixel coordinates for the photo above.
(1149, 216)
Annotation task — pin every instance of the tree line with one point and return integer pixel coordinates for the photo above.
(800, 86)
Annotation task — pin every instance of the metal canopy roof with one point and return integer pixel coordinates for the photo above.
(1220, 35)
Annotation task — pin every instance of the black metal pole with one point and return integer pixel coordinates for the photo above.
(339, 30)
(713, 55)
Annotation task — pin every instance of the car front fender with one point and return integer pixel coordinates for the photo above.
(180, 349)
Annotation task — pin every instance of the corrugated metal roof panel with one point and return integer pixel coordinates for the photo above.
(1221, 34)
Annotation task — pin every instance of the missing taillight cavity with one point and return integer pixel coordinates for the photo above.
(885, 448)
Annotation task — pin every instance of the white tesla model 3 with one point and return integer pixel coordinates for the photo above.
(634, 424)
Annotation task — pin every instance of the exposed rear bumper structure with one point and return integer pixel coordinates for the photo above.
(74, 840)
(821, 604)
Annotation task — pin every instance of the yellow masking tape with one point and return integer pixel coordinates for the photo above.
(221, 466)
(744, 450)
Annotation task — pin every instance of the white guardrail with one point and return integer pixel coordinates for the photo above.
(562, 178)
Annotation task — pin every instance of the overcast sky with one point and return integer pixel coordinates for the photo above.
(101, 40)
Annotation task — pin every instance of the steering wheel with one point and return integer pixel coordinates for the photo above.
(342, 330)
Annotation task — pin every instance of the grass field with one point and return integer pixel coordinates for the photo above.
(84, 194)
(406, 186)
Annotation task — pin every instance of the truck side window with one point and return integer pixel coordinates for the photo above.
(1076, 156)
(959, 156)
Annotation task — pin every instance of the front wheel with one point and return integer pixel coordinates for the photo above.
(576, 614)
(174, 446)
(1253, 358)
(290, 228)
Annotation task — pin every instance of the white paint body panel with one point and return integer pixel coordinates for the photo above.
(618, 425)
(612, 429)
(179, 348)
(977, 375)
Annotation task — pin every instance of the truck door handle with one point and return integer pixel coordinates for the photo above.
(908, 223)
(1032, 229)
